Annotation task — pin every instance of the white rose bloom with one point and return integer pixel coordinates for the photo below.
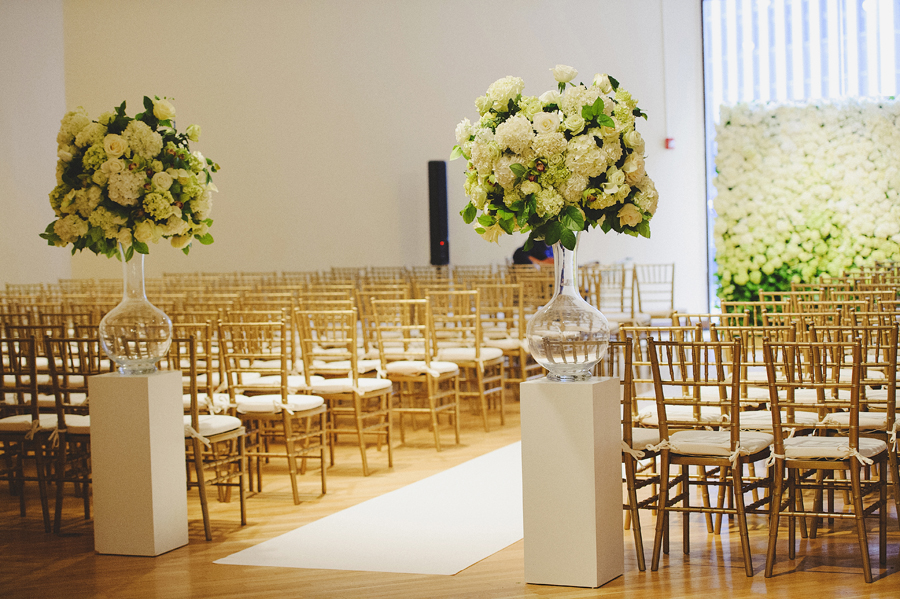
(162, 181)
(550, 97)
(563, 73)
(602, 81)
(546, 122)
(463, 131)
(163, 110)
(114, 145)
(503, 90)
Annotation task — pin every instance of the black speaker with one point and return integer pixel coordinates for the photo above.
(437, 212)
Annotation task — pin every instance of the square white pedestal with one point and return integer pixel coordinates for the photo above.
(137, 463)
(572, 482)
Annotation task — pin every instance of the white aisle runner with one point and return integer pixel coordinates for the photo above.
(440, 525)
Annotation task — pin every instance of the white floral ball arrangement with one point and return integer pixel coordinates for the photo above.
(804, 190)
(129, 181)
(557, 164)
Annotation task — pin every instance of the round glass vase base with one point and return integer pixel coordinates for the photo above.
(566, 377)
(136, 369)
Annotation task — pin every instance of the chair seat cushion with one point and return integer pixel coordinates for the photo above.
(78, 424)
(830, 447)
(467, 354)
(22, 423)
(344, 366)
(295, 382)
(867, 420)
(218, 403)
(505, 344)
(414, 367)
(708, 414)
(271, 404)
(345, 385)
(210, 425)
(641, 438)
(762, 419)
(717, 443)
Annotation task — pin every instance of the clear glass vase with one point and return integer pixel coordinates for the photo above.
(135, 334)
(567, 336)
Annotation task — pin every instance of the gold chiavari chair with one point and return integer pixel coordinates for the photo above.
(24, 430)
(654, 289)
(503, 327)
(329, 335)
(638, 444)
(215, 444)
(792, 366)
(71, 361)
(459, 337)
(707, 319)
(680, 371)
(877, 386)
(755, 309)
(425, 385)
(273, 405)
(792, 297)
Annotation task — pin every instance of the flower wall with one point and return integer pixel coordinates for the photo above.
(804, 190)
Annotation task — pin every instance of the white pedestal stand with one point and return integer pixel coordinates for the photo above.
(137, 463)
(572, 482)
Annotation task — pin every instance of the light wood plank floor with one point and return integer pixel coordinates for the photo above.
(35, 564)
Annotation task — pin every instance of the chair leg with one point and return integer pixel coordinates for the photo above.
(201, 486)
(662, 514)
(774, 516)
(479, 376)
(738, 493)
(432, 387)
(882, 514)
(686, 515)
(895, 480)
(860, 520)
(291, 452)
(357, 409)
(633, 512)
(61, 457)
(42, 483)
(242, 473)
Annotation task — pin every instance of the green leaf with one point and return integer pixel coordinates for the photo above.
(567, 239)
(468, 213)
(605, 121)
(485, 220)
(140, 248)
(644, 228)
(129, 253)
(614, 82)
(508, 225)
(186, 249)
(204, 239)
(479, 230)
(572, 219)
(553, 232)
(456, 153)
(606, 226)
(148, 104)
(529, 243)
(518, 170)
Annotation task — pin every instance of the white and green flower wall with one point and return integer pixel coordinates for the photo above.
(804, 190)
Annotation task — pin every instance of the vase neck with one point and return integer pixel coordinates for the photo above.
(565, 265)
(133, 276)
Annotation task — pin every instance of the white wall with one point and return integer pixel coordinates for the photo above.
(31, 104)
(323, 116)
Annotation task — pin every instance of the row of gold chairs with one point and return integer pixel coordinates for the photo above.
(808, 401)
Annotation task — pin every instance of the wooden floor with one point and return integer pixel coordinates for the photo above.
(36, 564)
